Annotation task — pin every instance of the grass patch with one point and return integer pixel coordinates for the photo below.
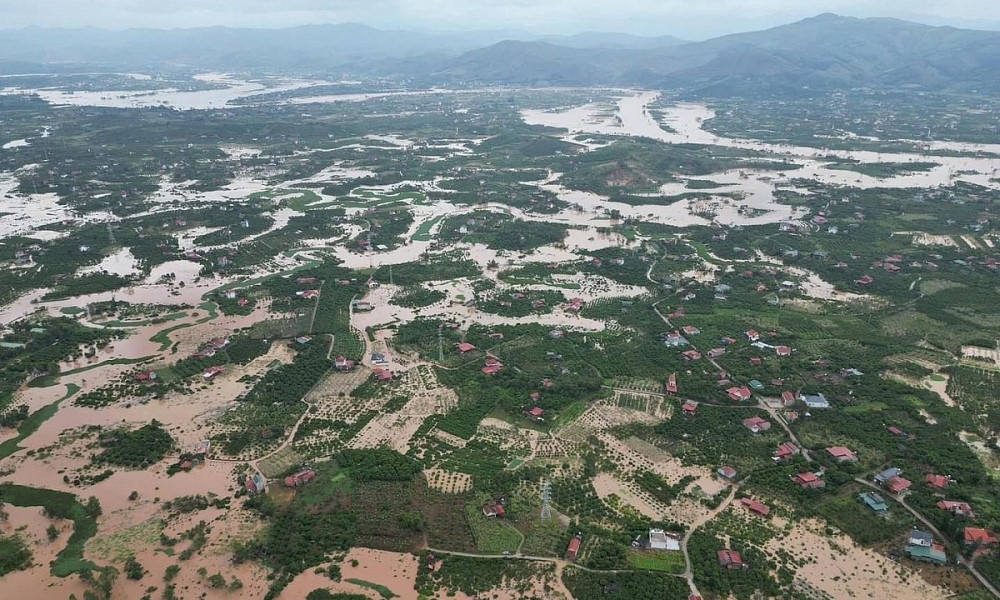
(70, 560)
(51, 380)
(861, 409)
(492, 535)
(381, 590)
(667, 562)
(423, 233)
(34, 421)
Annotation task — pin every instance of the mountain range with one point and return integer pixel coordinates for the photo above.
(827, 52)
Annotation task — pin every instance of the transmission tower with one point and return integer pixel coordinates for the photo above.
(440, 345)
(546, 500)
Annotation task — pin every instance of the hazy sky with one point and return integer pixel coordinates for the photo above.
(691, 19)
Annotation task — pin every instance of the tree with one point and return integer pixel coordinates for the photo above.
(133, 570)
(93, 507)
(52, 532)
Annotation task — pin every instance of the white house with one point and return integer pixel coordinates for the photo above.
(660, 540)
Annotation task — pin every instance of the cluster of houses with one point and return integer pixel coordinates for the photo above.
(491, 366)
(892, 480)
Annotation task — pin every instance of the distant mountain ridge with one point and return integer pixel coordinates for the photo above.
(826, 52)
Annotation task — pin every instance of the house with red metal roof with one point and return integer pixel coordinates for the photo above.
(842, 454)
(739, 394)
(809, 481)
(753, 335)
(959, 509)
(342, 364)
(938, 482)
(689, 408)
(786, 452)
(535, 413)
(382, 374)
(787, 398)
(465, 347)
(727, 473)
(146, 376)
(672, 384)
(691, 355)
(730, 559)
(976, 536)
(782, 350)
(756, 507)
(301, 478)
(308, 294)
(756, 424)
(573, 548)
(211, 372)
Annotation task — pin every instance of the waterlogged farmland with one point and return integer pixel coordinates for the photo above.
(260, 340)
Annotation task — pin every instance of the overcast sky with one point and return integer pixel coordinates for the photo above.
(690, 19)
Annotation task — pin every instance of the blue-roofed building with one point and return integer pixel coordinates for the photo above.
(815, 400)
(930, 554)
(874, 502)
(887, 475)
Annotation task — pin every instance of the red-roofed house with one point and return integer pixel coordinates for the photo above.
(757, 424)
(842, 454)
(211, 372)
(782, 350)
(342, 364)
(752, 335)
(689, 408)
(976, 536)
(465, 347)
(672, 384)
(382, 374)
(898, 485)
(146, 376)
(690, 330)
(809, 481)
(960, 509)
(535, 413)
(691, 355)
(300, 478)
(787, 398)
(716, 352)
(756, 361)
(573, 548)
(756, 507)
(308, 294)
(219, 343)
(866, 280)
(938, 482)
(492, 362)
(786, 452)
(727, 473)
(739, 394)
(306, 280)
(731, 559)
(490, 370)
(895, 430)
(573, 305)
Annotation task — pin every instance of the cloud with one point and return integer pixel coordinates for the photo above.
(679, 17)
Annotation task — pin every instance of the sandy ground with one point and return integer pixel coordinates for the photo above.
(396, 571)
(837, 566)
